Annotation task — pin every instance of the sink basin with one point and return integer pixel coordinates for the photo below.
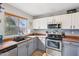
(18, 39)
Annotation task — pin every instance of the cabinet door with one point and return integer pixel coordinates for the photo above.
(50, 20)
(40, 23)
(69, 50)
(35, 42)
(75, 20)
(66, 21)
(35, 24)
(56, 19)
(22, 49)
(43, 23)
(30, 47)
(12, 52)
(41, 43)
(78, 51)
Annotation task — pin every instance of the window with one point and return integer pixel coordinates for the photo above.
(22, 26)
(15, 26)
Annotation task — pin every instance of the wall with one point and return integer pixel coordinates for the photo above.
(39, 30)
(71, 31)
(61, 12)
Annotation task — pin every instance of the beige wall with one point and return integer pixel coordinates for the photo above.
(14, 10)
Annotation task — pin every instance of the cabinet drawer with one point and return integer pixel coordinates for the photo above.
(30, 41)
(75, 43)
(71, 43)
(21, 44)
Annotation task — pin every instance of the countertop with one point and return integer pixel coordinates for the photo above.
(7, 44)
(72, 38)
(10, 42)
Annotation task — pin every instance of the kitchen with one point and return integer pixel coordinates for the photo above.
(38, 31)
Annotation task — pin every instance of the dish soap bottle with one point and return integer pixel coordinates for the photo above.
(1, 39)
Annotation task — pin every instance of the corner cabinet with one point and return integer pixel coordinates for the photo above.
(40, 23)
(41, 43)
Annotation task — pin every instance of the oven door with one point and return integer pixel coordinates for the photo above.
(54, 44)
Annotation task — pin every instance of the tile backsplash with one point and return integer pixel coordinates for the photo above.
(71, 31)
(39, 30)
(67, 31)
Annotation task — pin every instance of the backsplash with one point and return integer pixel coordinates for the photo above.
(39, 30)
(67, 31)
(71, 31)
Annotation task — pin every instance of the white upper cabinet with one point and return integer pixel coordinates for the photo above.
(66, 21)
(40, 23)
(50, 20)
(75, 20)
(70, 21)
(35, 24)
(43, 23)
(56, 19)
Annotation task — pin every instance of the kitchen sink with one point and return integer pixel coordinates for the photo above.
(20, 38)
(17, 39)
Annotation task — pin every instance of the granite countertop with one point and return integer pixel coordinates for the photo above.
(9, 42)
(72, 38)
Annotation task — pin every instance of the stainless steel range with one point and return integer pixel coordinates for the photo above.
(54, 41)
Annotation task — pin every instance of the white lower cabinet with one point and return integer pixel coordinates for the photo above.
(35, 43)
(22, 49)
(12, 52)
(26, 48)
(70, 49)
(30, 47)
(41, 43)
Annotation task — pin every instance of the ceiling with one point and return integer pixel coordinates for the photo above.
(36, 9)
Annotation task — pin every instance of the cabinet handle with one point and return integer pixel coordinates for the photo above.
(71, 26)
(74, 27)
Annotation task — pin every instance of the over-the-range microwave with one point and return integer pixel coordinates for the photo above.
(51, 26)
